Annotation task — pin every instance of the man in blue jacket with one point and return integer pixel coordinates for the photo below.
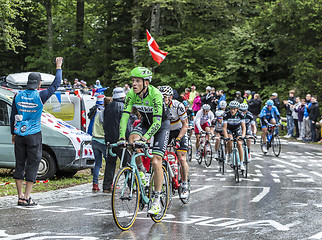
(25, 123)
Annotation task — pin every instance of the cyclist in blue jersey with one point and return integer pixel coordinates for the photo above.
(268, 115)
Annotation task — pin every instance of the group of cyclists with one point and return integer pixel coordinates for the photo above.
(166, 119)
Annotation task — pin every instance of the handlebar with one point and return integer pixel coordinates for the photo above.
(134, 145)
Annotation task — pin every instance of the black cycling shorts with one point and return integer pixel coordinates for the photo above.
(161, 138)
(183, 142)
(235, 132)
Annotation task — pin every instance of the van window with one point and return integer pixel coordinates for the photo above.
(4, 113)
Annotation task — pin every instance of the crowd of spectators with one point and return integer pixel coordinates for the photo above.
(302, 114)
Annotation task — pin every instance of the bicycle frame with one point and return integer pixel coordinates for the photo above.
(134, 168)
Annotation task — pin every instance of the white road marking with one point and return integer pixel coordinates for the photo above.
(298, 175)
(198, 190)
(277, 166)
(299, 188)
(304, 180)
(258, 166)
(274, 175)
(317, 174)
(277, 180)
(316, 236)
(308, 153)
(259, 196)
(282, 171)
(287, 163)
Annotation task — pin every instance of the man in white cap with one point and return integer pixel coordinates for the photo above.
(98, 139)
(112, 117)
(276, 101)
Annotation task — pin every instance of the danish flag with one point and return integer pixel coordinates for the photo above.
(157, 54)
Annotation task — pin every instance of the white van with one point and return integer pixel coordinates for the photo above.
(69, 106)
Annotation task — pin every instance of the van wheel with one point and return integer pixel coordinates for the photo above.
(69, 174)
(47, 167)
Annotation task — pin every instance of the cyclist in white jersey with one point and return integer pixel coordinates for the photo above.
(178, 129)
(203, 120)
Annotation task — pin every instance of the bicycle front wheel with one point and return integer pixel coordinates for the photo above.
(125, 198)
(262, 143)
(222, 159)
(164, 197)
(235, 161)
(276, 145)
(245, 172)
(208, 154)
(189, 153)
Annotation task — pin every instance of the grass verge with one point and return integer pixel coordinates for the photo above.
(8, 187)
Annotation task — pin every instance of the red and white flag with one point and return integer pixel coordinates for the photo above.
(157, 54)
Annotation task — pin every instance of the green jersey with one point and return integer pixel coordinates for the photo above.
(151, 107)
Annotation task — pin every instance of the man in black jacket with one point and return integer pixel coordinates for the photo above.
(254, 106)
(112, 117)
(314, 113)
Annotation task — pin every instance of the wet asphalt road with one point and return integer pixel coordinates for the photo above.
(281, 199)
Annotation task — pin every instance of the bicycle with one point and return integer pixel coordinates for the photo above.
(235, 162)
(129, 194)
(221, 153)
(245, 148)
(174, 171)
(272, 140)
(205, 150)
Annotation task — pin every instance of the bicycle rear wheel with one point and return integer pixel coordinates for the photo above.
(189, 152)
(164, 198)
(125, 198)
(276, 145)
(208, 154)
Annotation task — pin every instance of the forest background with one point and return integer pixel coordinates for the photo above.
(261, 45)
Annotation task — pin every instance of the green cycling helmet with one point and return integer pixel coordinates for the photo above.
(142, 72)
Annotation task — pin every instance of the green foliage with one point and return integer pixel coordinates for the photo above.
(261, 45)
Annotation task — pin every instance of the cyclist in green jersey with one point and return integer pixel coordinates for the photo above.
(154, 122)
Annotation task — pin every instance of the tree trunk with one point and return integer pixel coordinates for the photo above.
(79, 41)
(155, 19)
(136, 26)
(48, 6)
(80, 24)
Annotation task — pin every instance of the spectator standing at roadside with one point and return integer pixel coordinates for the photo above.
(222, 97)
(289, 107)
(238, 97)
(306, 120)
(126, 88)
(213, 103)
(25, 124)
(196, 103)
(112, 117)
(98, 140)
(207, 97)
(300, 112)
(276, 101)
(98, 84)
(254, 106)
(192, 95)
(314, 113)
(247, 96)
(186, 94)
(76, 84)
(296, 116)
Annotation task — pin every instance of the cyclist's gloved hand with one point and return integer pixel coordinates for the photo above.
(121, 142)
(140, 143)
(177, 142)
